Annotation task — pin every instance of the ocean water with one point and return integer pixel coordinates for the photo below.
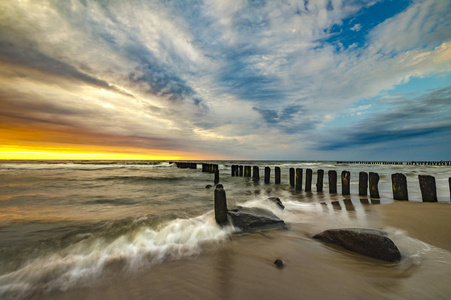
(134, 229)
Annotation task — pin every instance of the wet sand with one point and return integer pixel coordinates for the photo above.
(242, 268)
(428, 222)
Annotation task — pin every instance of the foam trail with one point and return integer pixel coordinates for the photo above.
(85, 261)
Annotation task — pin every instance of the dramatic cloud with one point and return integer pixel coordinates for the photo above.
(227, 79)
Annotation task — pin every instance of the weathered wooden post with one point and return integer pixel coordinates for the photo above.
(428, 188)
(363, 184)
(247, 171)
(241, 171)
(332, 181)
(220, 205)
(319, 180)
(292, 177)
(449, 183)
(399, 185)
(233, 171)
(298, 179)
(345, 181)
(277, 174)
(374, 181)
(256, 173)
(267, 174)
(308, 180)
(216, 177)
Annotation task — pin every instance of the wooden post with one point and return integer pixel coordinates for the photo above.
(374, 181)
(220, 205)
(399, 185)
(332, 181)
(345, 182)
(428, 188)
(241, 171)
(449, 183)
(267, 174)
(233, 171)
(363, 184)
(247, 171)
(298, 179)
(256, 174)
(319, 180)
(216, 176)
(277, 174)
(308, 180)
(292, 177)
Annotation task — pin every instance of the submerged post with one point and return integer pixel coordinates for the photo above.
(374, 181)
(428, 188)
(267, 174)
(332, 181)
(277, 173)
(298, 179)
(292, 177)
(345, 181)
(363, 184)
(216, 176)
(220, 205)
(319, 180)
(308, 180)
(399, 185)
(256, 174)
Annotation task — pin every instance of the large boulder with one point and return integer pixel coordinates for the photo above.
(369, 242)
(251, 219)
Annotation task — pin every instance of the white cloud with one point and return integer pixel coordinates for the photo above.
(356, 27)
(196, 72)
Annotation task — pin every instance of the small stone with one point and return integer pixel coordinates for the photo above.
(279, 263)
(208, 186)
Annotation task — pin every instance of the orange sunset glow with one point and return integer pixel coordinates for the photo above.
(12, 152)
(21, 143)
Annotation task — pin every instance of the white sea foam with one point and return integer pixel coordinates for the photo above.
(84, 262)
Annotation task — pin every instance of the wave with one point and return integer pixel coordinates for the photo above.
(138, 178)
(126, 245)
(115, 202)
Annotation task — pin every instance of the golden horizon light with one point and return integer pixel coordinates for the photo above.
(15, 152)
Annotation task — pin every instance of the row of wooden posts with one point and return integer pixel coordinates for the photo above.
(366, 180)
(399, 182)
(409, 163)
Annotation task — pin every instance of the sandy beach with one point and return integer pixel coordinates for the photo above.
(428, 222)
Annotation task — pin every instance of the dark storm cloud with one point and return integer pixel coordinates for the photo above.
(407, 119)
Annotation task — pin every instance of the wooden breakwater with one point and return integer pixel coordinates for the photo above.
(367, 181)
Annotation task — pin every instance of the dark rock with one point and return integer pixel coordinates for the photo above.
(277, 201)
(208, 186)
(369, 242)
(251, 219)
(279, 263)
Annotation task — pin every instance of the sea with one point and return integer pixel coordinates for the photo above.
(146, 230)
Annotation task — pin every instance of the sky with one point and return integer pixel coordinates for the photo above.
(225, 79)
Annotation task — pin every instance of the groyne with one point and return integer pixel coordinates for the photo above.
(368, 182)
